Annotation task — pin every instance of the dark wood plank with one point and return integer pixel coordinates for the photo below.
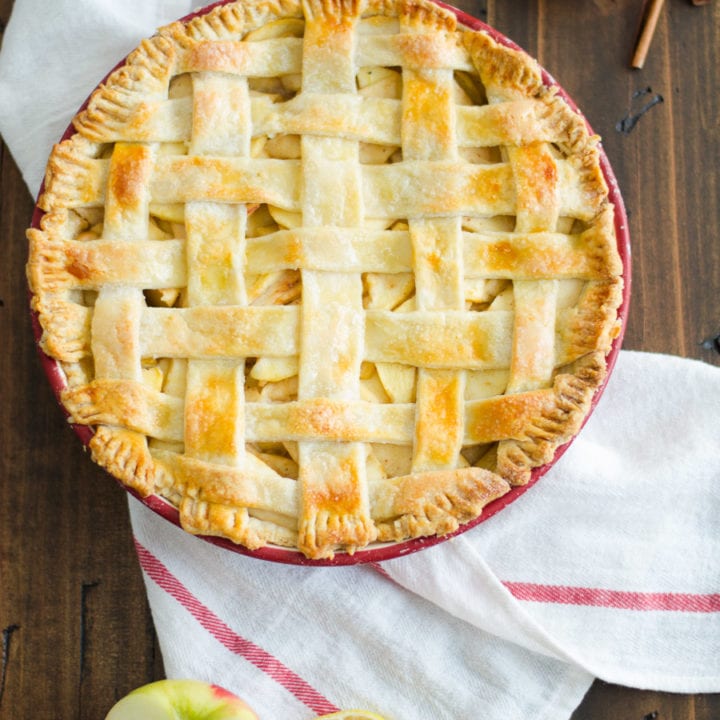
(5, 8)
(73, 606)
(606, 701)
(693, 56)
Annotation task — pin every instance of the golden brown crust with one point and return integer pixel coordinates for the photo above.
(501, 67)
(72, 179)
(146, 71)
(230, 21)
(127, 404)
(66, 328)
(555, 424)
(436, 502)
(125, 455)
(268, 424)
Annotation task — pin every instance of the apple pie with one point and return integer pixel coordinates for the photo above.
(326, 273)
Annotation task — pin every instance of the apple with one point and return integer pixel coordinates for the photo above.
(180, 700)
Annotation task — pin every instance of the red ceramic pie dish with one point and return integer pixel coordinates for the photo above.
(381, 552)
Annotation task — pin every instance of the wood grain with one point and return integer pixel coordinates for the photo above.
(76, 629)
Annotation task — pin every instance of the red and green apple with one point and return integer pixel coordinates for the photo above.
(181, 700)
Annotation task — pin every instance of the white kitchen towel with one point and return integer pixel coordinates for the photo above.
(608, 567)
(296, 642)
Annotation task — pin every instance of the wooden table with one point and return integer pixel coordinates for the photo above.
(76, 628)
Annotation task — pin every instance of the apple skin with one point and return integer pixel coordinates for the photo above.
(181, 700)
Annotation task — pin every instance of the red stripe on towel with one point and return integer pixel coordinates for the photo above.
(617, 599)
(225, 635)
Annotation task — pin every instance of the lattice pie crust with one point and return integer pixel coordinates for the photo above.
(326, 273)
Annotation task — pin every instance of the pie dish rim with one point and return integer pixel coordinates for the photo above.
(377, 552)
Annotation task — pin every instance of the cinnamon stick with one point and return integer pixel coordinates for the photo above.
(647, 30)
